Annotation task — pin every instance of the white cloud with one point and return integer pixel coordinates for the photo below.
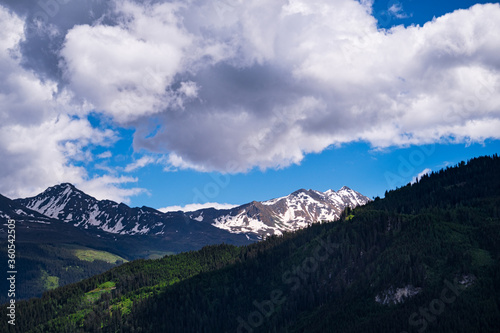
(140, 163)
(195, 207)
(43, 132)
(322, 74)
(106, 154)
(38, 156)
(20, 89)
(420, 175)
(108, 187)
(397, 11)
(242, 84)
(126, 70)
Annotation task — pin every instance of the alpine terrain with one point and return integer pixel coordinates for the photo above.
(66, 235)
(295, 211)
(289, 213)
(425, 258)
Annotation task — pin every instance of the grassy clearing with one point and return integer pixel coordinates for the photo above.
(49, 282)
(92, 255)
(96, 293)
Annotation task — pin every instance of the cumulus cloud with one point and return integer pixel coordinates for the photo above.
(104, 155)
(234, 85)
(322, 74)
(108, 187)
(127, 69)
(42, 132)
(195, 207)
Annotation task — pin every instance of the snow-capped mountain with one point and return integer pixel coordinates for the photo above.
(31, 226)
(10, 209)
(289, 213)
(66, 203)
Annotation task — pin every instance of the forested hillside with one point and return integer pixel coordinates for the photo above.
(424, 258)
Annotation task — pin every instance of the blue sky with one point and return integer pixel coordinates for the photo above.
(171, 103)
(416, 11)
(356, 165)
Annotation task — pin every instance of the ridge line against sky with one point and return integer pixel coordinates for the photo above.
(173, 103)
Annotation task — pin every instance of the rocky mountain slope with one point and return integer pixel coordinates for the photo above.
(256, 219)
(66, 203)
(67, 208)
(289, 213)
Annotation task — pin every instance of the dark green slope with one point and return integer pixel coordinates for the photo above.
(445, 235)
(43, 255)
(51, 252)
(47, 250)
(439, 238)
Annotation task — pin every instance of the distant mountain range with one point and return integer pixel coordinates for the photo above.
(64, 214)
(66, 203)
(54, 228)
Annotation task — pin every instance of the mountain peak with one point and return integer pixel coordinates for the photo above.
(303, 190)
(61, 186)
(53, 200)
(294, 211)
(60, 189)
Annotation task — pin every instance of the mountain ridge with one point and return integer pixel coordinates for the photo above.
(255, 219)
(289, 213)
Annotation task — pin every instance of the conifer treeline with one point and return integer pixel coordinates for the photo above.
(444, 229)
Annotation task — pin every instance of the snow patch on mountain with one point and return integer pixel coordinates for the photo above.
(242, 223)
(295, 211)
(116, 229)
(257, 219)
(52, 206)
